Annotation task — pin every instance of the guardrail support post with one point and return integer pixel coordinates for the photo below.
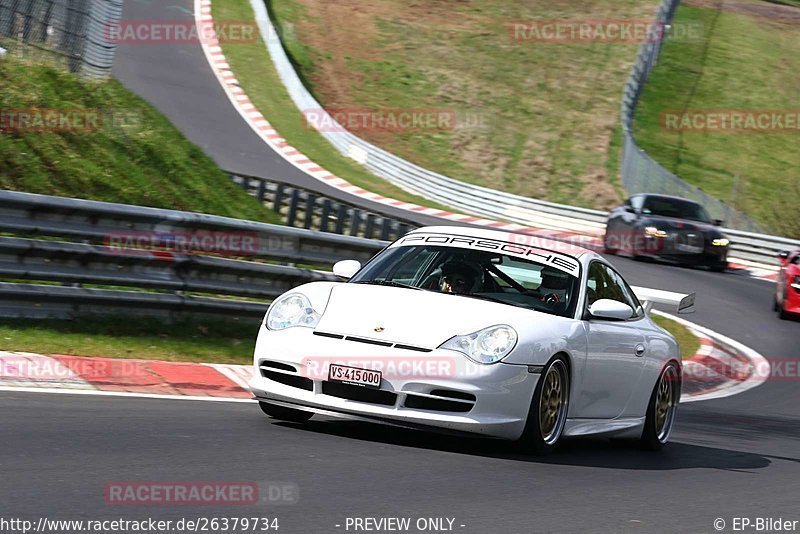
(309, 219)
(279, 191)
(326, 213)
(355, 221)
(370, 227)
(293, 207)
(340, 216)
(386, 229)
(261, 191)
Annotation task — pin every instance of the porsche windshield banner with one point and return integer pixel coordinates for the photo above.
(562, 262)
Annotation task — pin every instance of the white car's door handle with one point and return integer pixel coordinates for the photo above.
(639, 350)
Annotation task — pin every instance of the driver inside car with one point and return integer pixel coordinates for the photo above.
(457, 277)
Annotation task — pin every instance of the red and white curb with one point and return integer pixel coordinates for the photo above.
(24, 371)
(721, 367)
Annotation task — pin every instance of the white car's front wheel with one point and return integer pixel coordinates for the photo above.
(548, 412)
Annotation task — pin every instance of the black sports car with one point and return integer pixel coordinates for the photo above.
(668, 228)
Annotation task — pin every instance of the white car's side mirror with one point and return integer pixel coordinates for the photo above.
(610, 309)
(346, 268)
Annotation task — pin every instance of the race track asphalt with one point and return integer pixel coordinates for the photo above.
(732, 457)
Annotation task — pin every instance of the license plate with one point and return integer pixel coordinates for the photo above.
(354, 376)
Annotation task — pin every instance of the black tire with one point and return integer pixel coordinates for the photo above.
(719, 267)
(542, 431)
(285, 414)
(658, 427)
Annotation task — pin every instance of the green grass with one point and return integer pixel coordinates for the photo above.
(133, 154)
(743, 63)
(189, 340)
(533, 118)
(259, 79)
(688, 342)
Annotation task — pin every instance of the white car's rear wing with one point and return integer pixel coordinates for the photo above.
(684, 303)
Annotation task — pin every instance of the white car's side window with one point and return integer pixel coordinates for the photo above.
(606, 283)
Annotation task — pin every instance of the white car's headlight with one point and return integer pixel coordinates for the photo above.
(291, 310)
(486, 346)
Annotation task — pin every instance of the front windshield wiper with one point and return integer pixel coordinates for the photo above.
(388, 283)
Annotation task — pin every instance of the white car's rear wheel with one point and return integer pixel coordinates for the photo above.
(662, 409)
(284, 414)
(548, 411)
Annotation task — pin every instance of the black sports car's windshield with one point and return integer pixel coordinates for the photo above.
(673, 207)
(490, 276)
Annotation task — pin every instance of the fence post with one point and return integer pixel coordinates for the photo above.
(295, 199)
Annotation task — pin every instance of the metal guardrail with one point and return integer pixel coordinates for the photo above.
(308, 209)
(98, 273)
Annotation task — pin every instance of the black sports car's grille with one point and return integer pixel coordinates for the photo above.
(359, 393)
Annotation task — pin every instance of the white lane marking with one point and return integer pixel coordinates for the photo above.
(121, 394)
(758, 362)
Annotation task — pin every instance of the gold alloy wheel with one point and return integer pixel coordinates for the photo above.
(666, 402)
(553, 402)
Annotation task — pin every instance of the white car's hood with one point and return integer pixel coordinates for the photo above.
(412, 317)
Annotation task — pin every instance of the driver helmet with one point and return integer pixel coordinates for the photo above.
(457, 277)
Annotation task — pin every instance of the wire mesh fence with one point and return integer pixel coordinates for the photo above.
(640, 172)
(71, 32)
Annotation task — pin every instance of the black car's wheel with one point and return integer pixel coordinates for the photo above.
(719, 267)
(662, 409)
(284, 414)
(548, 411)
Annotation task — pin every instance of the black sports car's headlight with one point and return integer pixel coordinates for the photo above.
(721, 242)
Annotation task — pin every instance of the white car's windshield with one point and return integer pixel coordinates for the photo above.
(485, 275)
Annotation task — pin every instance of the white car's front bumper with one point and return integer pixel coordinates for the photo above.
(491, 400)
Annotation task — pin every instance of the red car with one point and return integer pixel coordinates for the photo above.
(787, 290)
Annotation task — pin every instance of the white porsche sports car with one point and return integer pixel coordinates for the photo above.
(477, 331)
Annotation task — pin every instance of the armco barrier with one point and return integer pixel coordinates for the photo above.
(160, 281)
(310, 209)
